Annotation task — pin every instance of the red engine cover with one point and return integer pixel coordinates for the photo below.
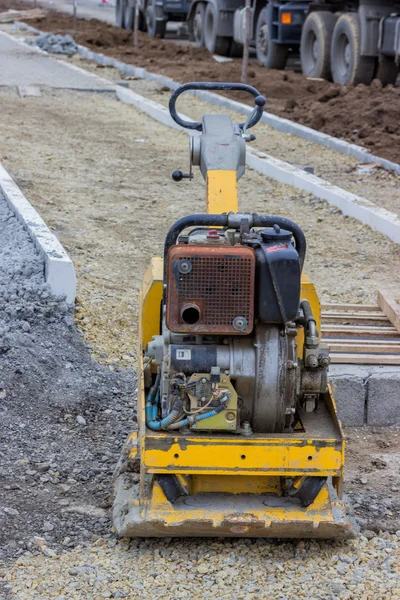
(210, 289)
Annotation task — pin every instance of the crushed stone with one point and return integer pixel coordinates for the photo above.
(229, 569)
(25, 297)
(56, 43)
(47, 381)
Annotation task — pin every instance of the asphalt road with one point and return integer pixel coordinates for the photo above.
(86, 9)
(95, 9)
(25, 66)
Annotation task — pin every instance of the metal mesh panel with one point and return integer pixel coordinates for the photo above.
(224, 285)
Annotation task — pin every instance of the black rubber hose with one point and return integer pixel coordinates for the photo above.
(305, 305)
(223, 221)
(190, 221)
(155, 387)
(298, 234)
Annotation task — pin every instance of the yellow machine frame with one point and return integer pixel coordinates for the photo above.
(230, 473)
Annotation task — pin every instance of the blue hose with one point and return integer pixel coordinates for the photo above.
(207, 415)
(155, 423)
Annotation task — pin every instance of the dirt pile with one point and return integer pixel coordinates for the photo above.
(369, 116)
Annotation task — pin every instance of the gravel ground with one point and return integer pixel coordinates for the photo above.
(63, 416)
(96, 186)
(230, 569)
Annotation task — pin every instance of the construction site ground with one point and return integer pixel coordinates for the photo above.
(366, 180)
(368, 116)
(98, 172)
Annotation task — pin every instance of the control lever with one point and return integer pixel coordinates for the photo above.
(178, 175)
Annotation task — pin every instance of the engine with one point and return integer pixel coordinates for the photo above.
(227, 357)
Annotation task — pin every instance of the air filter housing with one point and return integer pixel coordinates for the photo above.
(210, 290)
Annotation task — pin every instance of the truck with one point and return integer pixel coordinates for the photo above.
(153, 14)
(348, 42)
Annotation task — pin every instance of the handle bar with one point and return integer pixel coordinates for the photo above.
(253, 119)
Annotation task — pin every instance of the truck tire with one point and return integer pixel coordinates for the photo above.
(387, 70)
(128, 16)
(214, 43)
(347, 64)
(270, 54)
(315, 45)
(154, 28)
(198, 24)
(120, 13)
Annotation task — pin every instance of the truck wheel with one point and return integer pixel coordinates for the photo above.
(154, 28)
(270, 54)
(315, 45)
(387, 70)
(120, 13)
(128, 16)
(214, 43)
(198, 25)
(347, 64)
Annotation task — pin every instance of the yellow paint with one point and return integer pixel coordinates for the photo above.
(240, 484)
(262, 456)
(239, 520)
(150, 302)
(222, 194)
(308, 292)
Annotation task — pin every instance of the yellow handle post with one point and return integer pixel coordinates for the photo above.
(222, 193)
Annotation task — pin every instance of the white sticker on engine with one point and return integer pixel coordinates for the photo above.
(183, 354)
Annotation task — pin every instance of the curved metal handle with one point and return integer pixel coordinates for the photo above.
(237, 87)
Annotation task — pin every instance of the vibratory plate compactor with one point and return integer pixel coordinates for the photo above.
(237, 428)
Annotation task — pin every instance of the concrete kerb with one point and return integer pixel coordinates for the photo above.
(108, 86)
(59, 269)
(278, 123)
(366, 394)
(350, 204)
(302, 131)
(360, 208)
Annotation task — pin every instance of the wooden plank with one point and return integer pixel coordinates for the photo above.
(356, 318)
(359, 331)
(390, 306)
(365, 359)
(351, 307)
(358, 313)
(363, 348)
(357, 342)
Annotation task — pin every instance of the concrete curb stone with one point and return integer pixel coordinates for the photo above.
(59, 269)
(383, 407)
